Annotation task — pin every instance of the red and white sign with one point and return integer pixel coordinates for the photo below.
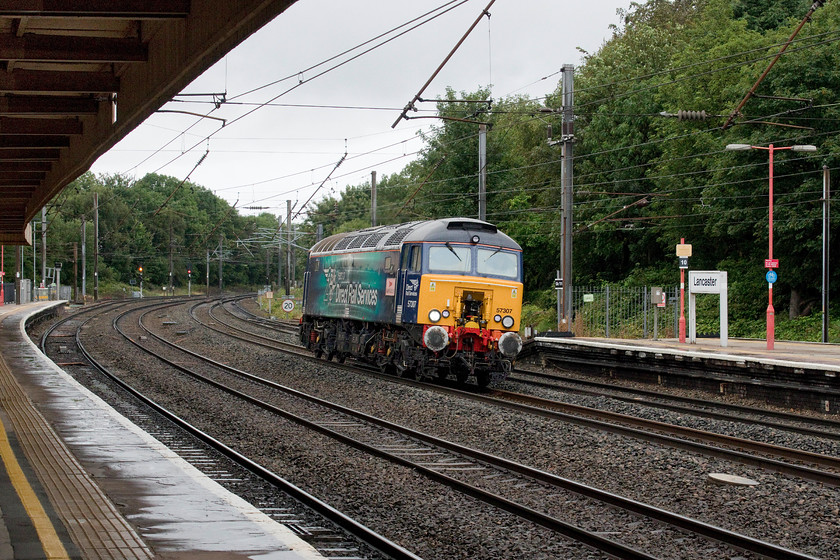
(390, 286)
(771, 263)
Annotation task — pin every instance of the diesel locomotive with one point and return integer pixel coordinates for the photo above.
(425, 299)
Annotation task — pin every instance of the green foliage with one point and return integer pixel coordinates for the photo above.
(762, 15)
(142, 223)
(542, 319)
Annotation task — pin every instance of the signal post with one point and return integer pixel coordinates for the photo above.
(683, 252)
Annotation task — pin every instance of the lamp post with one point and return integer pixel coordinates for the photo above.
(771, 263)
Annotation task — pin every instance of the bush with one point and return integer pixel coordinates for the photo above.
(539, 317)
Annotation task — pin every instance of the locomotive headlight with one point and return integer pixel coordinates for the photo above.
(507, 322)
(445, 314)
(497, 318)
(434, 315)
(475, 239)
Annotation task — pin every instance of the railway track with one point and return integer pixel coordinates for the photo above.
(327, 529)
(811, 426)
(796, 423)
(741, 450)
(285, 326)
(401, 446)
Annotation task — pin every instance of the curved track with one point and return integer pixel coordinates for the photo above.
(495, 480)
(320, 537)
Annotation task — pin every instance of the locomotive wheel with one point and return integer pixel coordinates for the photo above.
(482, 378)
(318, 353)
(460, 370)
(340, 357)
(386, 366)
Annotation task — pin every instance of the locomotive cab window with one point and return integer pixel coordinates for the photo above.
(495, 262)
(449, 258)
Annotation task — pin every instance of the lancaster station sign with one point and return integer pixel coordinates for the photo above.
(708, 282)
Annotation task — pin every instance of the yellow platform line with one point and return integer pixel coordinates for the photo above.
(43, 526)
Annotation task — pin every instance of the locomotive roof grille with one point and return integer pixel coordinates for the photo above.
(374, 239)
(343, 243)
(358, 241)
(398, 236)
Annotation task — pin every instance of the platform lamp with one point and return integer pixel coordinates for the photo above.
(771, 263)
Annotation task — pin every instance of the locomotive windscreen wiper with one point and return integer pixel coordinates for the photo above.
(493, 255)
(451, 250)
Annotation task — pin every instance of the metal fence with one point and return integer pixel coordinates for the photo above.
(620, 312)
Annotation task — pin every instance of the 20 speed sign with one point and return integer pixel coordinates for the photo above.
(288, 305)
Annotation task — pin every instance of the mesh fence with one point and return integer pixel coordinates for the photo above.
(621, 312)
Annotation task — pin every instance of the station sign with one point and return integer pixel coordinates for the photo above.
(706, 282)
(683, 249)
(771, 263)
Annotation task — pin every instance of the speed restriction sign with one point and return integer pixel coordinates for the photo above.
(288, 305)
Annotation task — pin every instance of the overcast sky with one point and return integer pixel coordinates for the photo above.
(281, 152)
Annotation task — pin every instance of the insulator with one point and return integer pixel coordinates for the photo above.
(692, 115)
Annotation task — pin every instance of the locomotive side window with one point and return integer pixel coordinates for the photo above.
(498, 263)
(411, 259)
(416, 261)
(450, 259)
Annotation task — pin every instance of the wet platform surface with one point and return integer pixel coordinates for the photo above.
(81, 481)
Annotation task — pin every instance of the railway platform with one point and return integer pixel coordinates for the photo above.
(797, 374)
(81, 481)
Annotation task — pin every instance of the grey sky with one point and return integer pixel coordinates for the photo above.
(279, 153)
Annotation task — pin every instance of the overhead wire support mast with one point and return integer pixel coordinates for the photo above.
(410, 106)
(751, 92)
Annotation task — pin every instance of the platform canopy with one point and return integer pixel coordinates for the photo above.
(81, 74)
